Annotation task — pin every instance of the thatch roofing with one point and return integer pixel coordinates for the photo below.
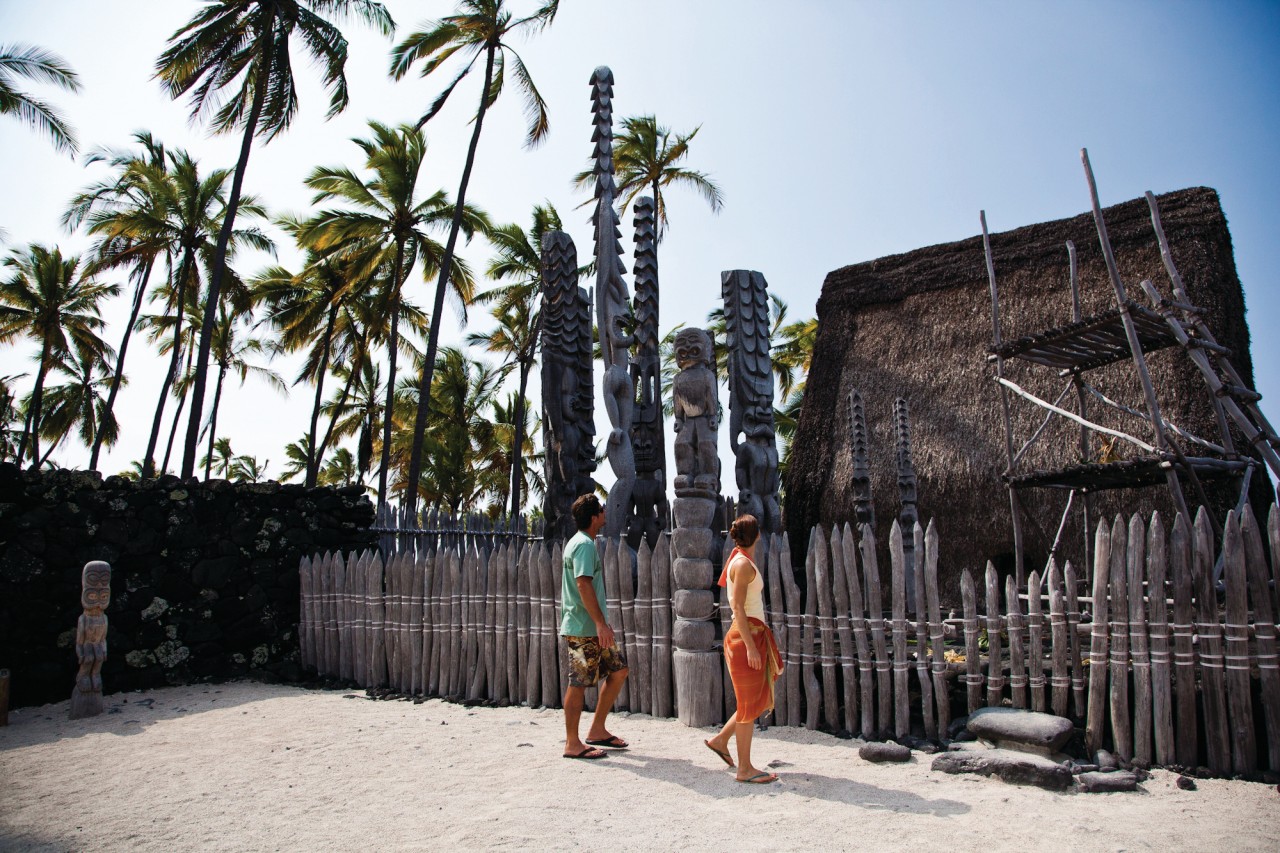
(918, 326)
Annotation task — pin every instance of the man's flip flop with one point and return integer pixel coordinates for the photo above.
(724, 756)
(760, 779)
(612, 741)
(588, 753)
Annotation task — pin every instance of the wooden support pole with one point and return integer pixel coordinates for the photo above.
(1015, 506)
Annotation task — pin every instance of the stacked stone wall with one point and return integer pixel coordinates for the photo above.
(204, 582)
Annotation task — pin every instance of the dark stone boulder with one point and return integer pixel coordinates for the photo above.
(1013, 728)
(1016, 768)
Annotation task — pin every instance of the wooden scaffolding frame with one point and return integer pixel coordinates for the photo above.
(1127, 332)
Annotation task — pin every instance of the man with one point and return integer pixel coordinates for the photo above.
(584, 625)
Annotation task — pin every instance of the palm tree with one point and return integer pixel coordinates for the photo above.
(231, 352)
(385, 222)
(479, 28)
(247, 469)
(517, 310)
(33, 63)
(297, 456)
(463, 391)
(9, 417)
(225, 458)
(52, 301)
(645, 158)
(109, 206)
(245, 43)
(161, 205)
(78, 403)
(340, 470)
(305, 308)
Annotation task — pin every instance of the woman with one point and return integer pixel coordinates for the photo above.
(749, 648)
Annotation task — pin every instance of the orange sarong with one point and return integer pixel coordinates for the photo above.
(753, 688)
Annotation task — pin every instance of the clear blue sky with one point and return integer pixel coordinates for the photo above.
(839, 131)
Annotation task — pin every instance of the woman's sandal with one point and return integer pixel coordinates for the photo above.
(760, 779)
(724, 756)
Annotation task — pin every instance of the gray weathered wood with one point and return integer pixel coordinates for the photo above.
(826, 629)
(777, 613)
(972, 658)
(341, 617)
(995, 656)
(376, 610)
(794, 632)
(514, 681)
(1073, 635)
(1244, 756)
(844, 631)
(1099, 642)
(875, 617)
(937, 644)
(1017, 622)
(922, 636)
(1161, 693)
(418, 579)
(1035, 642)
(552, 688)
(627, 612)
(1209, 630)
(1139, 654)
(498, 582)
(812, 692)
(1060, 683)
(1187, 743)
(526, 642)
(1121, 721)
(898, 599)
(861, 642)
(533, 661)
(1264, 632)
(641, 665)
(663, 700)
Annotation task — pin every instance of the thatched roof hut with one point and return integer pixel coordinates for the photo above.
(918, 326)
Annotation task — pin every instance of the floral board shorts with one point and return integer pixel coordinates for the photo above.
(588, 662)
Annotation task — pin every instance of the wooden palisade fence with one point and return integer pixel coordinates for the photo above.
(1148, 660)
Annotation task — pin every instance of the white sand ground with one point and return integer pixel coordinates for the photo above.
(253, 767)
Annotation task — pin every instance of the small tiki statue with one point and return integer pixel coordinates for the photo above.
(695, 393)
(91, 639)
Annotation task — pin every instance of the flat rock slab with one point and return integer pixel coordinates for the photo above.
(881, 752)
(1016, 768)
(1012, 728)
(1105, 783)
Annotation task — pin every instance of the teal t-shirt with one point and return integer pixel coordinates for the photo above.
(581, 560)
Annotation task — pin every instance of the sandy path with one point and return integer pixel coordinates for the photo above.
(254, 767)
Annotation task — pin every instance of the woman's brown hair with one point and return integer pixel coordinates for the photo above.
(745, 531)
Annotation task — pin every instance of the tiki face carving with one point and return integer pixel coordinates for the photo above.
(693, 347)
(95, 582)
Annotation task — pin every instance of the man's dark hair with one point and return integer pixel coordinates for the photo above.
(584, 509)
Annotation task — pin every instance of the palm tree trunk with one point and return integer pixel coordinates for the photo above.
(517, 449)
(213, 417)
(177, 418)
(219, 264)
(119, 373)
(37, 399)
(313, 456)
(184, 267)
(337, 410)
(397, 283)
(433, 338)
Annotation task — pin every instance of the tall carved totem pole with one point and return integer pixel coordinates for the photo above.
(613, 310)
(696, 661)
(751, 428)
(568, 392)
(650, 514)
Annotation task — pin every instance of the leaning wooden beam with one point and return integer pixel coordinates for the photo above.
(1015, 506)
(1135, 347)
(1072, 416)
(1176, 430)
(1048, 419)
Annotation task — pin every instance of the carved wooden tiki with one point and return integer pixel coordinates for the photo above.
(91, 639)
